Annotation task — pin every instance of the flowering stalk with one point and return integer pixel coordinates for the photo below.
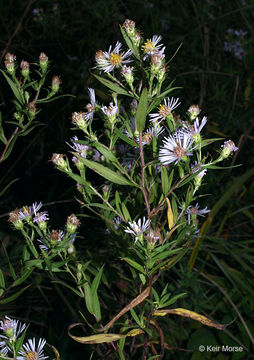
(143, 173)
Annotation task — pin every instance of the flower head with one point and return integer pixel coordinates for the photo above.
(195, 129)
(29, 211)
(111, 59)
(80, 120)
(129, 27)
(79, 148)
(138, 229)
(59, 161)
(41, 217)
(11, 328)
(151, 46)
(194, 211)
(165, 109)
(176, 148)
(30, 352)
(72, 223)
(90, 106)
(193, 111)
(227, 149)
(110, 111)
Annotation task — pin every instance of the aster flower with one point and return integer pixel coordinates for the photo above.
(4, 349)
(15, 220)
(11, 328)
(72, 223)
(195, 211)
(196, 168)
(108, 61)
(80, 148)
(30, 351)
(117, 222)
(129, 27)
(150, 133)
(41, 217)
(151, 46)
(195, 129)
(28, 211)
(127, 73)
(90, 106)
(194, 111)
(227, 149)
(165, 109)
(176, 147)
(110, 111)
(138, 229)
(42, 245)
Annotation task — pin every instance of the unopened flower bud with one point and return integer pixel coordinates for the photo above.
(10, 63)
(134, 106)
(126, 71)
(79, 119)
(59, 161)
(79, 275)
(129, 27)
(156, 62)
(32, 109)
(71, 249)
(72, 224)
(194, 111)
(136, 39)
(161, 74)
(228, 148)
(15, 220)
(24, 65)
(27, 96)
(43, 62)
(18, 116)
(100, 58)
(56, 81)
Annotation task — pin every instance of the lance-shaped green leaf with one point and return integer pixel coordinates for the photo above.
(105, 172)
(16, 91)
(141, 111)
(105, 151)
(112, 86)
(134, 264)
(14, 296)
(130, 44)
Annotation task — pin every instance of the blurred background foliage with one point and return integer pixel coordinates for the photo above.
(219, 276)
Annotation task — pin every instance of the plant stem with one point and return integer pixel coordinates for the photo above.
(143, 173)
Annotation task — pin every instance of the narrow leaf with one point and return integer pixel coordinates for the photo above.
(88, 298)
(141, 111)
(17, 93)
(170, 215)
(112, 86)
(134, 264)
(106, 173)
(14, 296)
(101, 338)
(190, 314)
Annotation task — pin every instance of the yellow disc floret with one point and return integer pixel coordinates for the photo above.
(148, 46)
(31, 355)
(115, 59)
(164, 110)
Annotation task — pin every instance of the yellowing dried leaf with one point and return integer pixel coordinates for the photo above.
(190, 314)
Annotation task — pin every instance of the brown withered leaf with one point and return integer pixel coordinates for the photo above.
(138, 300)
(190, 314)
(57, 355)
(101, 338)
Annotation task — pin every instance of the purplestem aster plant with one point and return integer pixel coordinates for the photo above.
(150, 161)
